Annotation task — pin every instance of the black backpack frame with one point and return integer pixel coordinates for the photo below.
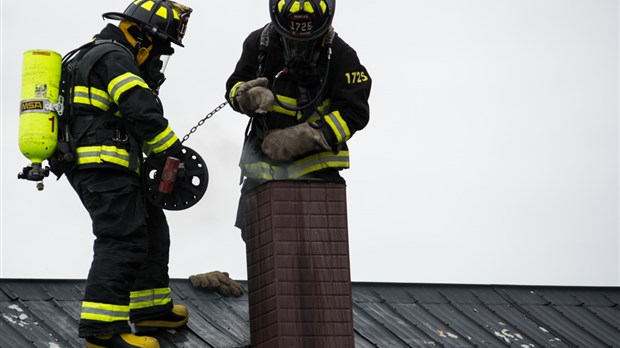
(64, 159)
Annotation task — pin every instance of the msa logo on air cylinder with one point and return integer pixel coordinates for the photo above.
(35, 105)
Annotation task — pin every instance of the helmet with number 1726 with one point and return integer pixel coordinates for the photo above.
(301, 20)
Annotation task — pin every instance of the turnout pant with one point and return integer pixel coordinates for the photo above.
(128, 277)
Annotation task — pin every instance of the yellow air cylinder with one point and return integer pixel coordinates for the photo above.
(38, 120)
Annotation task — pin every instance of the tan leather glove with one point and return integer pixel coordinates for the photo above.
(285, 144)
(253, 97)
(217, 281)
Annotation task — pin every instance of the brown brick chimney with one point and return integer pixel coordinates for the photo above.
(299, 277)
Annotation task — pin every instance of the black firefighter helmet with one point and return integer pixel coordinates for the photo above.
(301, 20)
(164, 19)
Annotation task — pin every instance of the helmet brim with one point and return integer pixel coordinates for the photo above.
(117, 16)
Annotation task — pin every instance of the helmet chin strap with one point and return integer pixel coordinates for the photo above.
(136, 38)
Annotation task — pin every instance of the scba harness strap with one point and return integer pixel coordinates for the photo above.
(264, 45)
(80, 62)
(308, 97)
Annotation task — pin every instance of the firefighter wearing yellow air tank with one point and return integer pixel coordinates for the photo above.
(116, 116)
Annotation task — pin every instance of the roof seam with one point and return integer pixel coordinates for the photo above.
(534, 318)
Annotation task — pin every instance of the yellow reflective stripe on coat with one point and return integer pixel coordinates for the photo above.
(95, 97)
(299, 168)
(286, 101)
(123, 83)
(104, 312)
(102, 154)
(233, 90)
(318, 162)
(150, 298)
(292, 103)
(161, 142)
(339, 126)
(265, 171)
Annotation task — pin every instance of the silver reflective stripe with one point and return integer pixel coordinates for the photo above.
(102, 100)
(317, 162)
(265, 171)
(342, 136)
(88, 154)
(149, 298)
(80, 95)
(123, 83)
(114, 154)
(313, 163)
(116, 314)
(148, 148)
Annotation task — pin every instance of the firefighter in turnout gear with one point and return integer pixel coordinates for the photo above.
(116, 118)
(306, 93)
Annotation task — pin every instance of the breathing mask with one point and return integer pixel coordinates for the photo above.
(301, 58)
(153, 69)
(301, 63)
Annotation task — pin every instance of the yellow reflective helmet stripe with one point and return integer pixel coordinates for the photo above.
(308, 7)
(339, 126)
(147, 5)
(150, 298)
(323, 6)
(296, 6)
(104, 312)
(124, 82)
(162, 12)
(161, 142)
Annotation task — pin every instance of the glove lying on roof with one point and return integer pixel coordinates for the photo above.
(218, 281)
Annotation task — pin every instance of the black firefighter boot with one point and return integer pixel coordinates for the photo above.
(174, 319)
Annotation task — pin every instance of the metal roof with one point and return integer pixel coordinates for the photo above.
(44, 313)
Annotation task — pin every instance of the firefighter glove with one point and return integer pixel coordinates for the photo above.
(158, 160)
(217, 281)
(253, 97)
(288, 143)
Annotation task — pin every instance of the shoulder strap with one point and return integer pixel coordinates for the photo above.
(262, 48)
(100, 49)
(329, 37)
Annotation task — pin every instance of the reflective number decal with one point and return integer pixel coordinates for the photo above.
(356, 77)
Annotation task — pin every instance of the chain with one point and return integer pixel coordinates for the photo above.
(201, 122)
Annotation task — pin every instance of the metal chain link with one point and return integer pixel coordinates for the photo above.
(201, 122)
